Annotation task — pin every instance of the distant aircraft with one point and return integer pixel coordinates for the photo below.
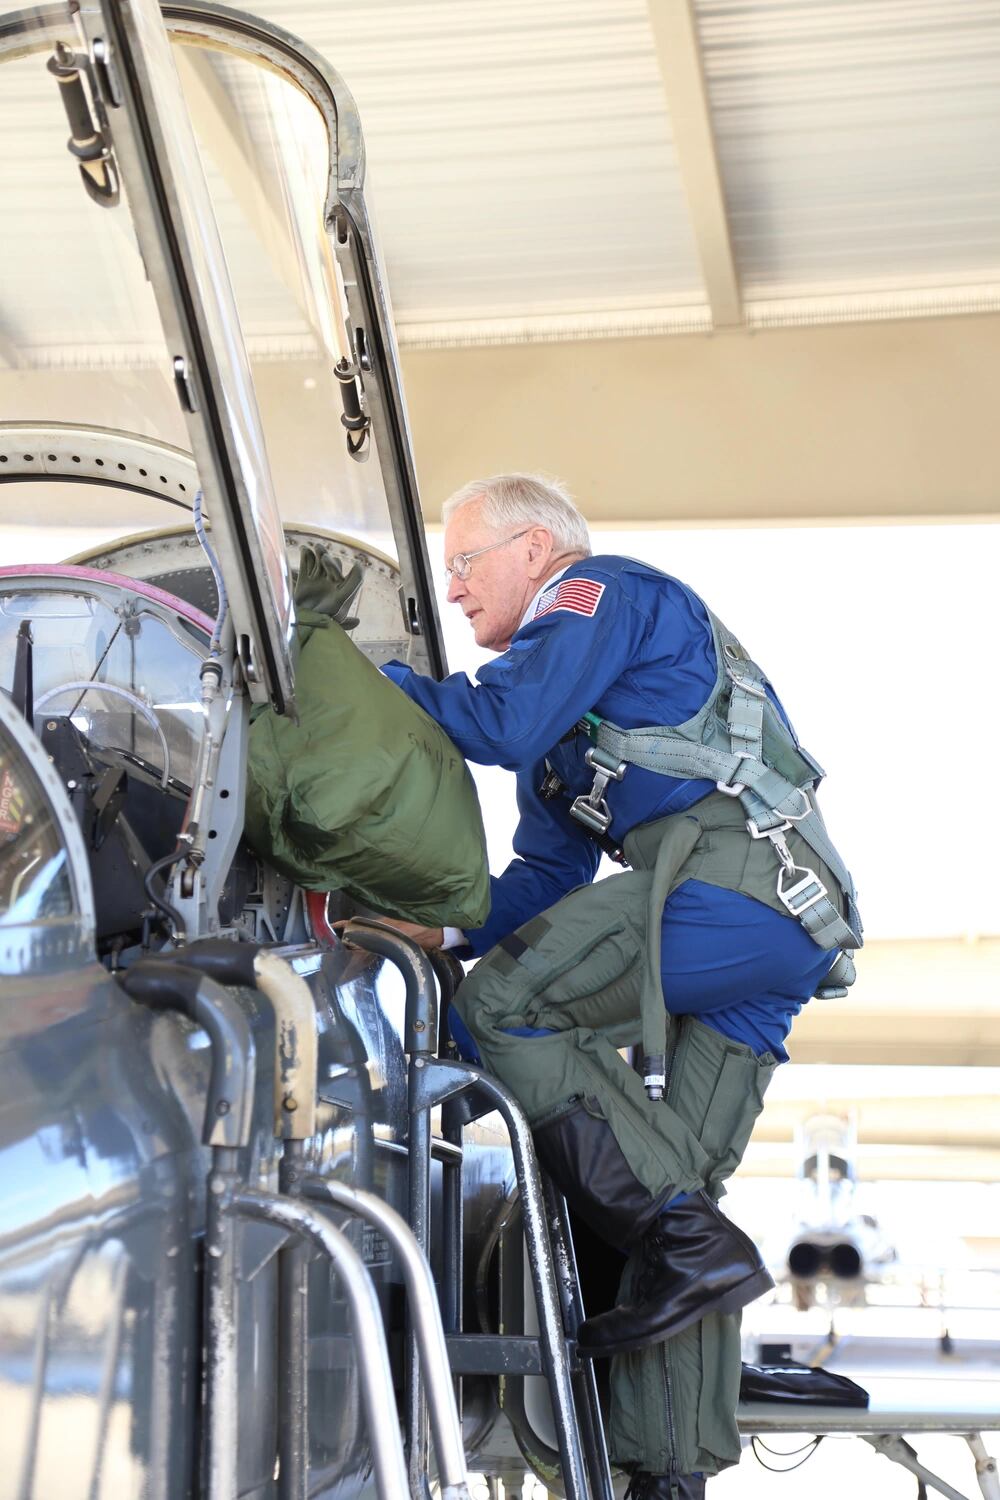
(833, 1248)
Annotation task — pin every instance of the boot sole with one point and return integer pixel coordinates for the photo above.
(739, 1296)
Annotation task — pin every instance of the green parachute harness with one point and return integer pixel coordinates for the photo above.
(765, 787)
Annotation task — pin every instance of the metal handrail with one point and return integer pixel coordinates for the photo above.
(433, 1081)
(420, 1020)
(437, 1081)
(377, 1394)
(445, 1424)
(419, 1042)
(164, 984)
(449, 974)
(585, 1379)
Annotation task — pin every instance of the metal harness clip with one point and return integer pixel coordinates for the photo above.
(592, 810)
(756, 832)
(788, 895)
(734, 788)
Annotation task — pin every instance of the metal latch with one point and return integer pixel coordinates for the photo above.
(592, 810)
(88, 142)
(789, 895)
(355, 418)
(184, 384)
(411, 614)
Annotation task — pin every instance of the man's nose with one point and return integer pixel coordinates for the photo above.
(456, 589)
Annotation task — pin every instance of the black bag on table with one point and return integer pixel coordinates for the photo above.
(792, 1384)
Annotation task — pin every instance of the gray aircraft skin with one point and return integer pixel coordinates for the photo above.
(144, 1348)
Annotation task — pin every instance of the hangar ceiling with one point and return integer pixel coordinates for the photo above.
(566, 168)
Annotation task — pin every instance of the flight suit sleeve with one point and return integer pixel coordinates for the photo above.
(553, 672)
(553, 855)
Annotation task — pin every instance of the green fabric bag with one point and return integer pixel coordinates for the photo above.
(365, 793)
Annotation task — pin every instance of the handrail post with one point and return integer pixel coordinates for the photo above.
(449, 974)
(377, 1395)
(439, 1081)
(293, 1340)
(419, 1041)
(295, 1060)
(168, 985)
(221, 1365)
(568, 1280)
(444, 1417)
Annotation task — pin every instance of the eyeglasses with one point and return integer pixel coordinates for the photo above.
(461, 563)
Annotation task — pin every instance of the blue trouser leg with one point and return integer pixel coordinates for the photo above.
(738, 966)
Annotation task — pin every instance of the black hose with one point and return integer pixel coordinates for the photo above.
(176, 923)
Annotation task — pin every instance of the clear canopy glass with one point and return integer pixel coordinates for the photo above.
(81, 338)
(80, 335)
(266, 155)
(128, 680)
(35, 881)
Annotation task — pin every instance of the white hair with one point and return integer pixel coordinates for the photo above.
(525, 500)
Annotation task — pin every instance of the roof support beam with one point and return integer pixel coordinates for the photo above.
(676, 35)
(10, 354)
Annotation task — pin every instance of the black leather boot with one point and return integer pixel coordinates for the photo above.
(643, 1486)
(579, 1151)
(694, 1261)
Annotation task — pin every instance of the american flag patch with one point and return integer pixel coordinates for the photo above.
(579, 595)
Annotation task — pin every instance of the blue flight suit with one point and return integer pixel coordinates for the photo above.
(635, 647)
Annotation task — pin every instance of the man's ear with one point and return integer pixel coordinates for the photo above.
(540, 544)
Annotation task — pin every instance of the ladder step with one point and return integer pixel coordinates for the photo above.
(499, 1354)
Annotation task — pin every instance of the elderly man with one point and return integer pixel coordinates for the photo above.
(636, 723)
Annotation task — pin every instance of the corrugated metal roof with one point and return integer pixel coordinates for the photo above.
(520, 151)
(529, 186)
(857, 140)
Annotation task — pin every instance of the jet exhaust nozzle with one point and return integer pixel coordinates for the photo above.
(809, 1259)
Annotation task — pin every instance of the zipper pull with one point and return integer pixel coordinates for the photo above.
(552, 785)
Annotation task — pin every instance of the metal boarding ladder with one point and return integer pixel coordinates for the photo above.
(227, 1126)
(466, 1093)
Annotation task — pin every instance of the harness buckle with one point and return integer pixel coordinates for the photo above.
(734, 788)
(788, 895)
(807, 806)
(592, 810)
(746, 684)
(594, 815)
(757, 832)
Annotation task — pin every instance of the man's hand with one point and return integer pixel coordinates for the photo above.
(322, 585)
(427, 937)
